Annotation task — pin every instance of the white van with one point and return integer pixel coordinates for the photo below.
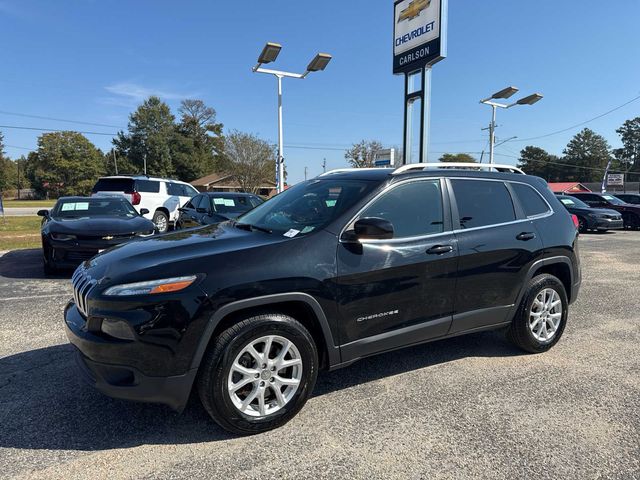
(161, 196)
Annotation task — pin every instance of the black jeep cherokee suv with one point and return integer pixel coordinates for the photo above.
(338, 268)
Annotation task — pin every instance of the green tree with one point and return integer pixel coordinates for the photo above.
(457, 157)
(200, 145)
(587, 154)
(151, 133)
(250, 160)
(538, 162)
(363, 154)
(66, 163)
(628, 157)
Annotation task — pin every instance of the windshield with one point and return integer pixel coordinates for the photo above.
(94, 207)
(612, 199)
(307, 207)
(573, 202)
(230, 205)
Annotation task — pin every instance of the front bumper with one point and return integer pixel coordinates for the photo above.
(608, 224)
(70, 254)
(118, 380)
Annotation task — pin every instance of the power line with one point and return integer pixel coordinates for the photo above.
(59, 119)
(56, 130)
(578, 124)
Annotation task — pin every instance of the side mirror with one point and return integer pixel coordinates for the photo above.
(43, 213)
(202, 210)
(373, 228)
(144, 211)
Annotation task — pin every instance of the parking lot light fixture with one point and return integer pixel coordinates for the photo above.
(269, 53)
(529, 100)
(503, 94)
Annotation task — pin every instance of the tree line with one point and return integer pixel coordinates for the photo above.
(584, 159)
(188, 147)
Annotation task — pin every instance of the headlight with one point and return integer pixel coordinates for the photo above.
(62, 236)
(151, 287)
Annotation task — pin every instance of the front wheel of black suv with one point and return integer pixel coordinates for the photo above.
(542, 315)
(258, 374)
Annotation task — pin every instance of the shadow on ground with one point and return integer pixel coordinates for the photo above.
(26, 264)
(44, 404)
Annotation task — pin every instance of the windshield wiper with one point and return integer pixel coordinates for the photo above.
(246, 226)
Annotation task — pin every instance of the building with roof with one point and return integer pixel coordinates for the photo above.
(221, 182)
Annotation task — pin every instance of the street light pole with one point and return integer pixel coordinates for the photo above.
(269, 53)
(280, 161)
(503, 94)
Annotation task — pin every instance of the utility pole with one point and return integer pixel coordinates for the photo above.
(115, 162)
(324, 165)
(305, 173)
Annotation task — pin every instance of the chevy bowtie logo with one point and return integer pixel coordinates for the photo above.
(413, 10)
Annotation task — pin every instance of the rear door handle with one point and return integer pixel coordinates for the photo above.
(440, 250)
(525, 236)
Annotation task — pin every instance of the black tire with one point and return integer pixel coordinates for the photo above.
(47, 265)
(631, 221)
(519, 332)
(161, 221)
(582, 225)
(222, 352)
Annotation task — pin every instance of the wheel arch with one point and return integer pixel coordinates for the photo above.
(301, 306)
(560, 267)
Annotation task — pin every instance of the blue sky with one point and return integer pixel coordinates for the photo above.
(95, 60)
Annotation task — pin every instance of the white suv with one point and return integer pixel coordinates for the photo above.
(162, 197)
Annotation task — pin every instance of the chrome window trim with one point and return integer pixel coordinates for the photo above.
(440, 180)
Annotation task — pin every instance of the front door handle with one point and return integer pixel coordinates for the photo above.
(440, 250)
(525, 236)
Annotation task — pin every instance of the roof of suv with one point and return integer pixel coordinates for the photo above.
(143, 177)
(383, 174)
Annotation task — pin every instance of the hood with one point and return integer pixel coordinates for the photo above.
(167, 252)
(602, 211)
(99, 226)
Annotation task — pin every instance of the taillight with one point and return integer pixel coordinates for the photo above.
(576, 222)
(135, 198)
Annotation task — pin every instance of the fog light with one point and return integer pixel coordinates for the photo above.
(117, 329)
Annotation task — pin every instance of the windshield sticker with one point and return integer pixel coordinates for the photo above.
(68, 207)
(331, 203)
(228, 202)
(307, 229)
(566, 201)
(292, 233)
(218, 201)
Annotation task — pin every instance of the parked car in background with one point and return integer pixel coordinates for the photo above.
(77, 228)
(599, 219)
(630, 213)
(332, 270)
(160, 196)
(631, 198)
(214, 207)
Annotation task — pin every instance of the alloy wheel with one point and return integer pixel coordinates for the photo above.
(545, 315)
(265, 376)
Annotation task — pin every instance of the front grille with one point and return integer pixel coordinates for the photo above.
(82, 285)
(80, 255)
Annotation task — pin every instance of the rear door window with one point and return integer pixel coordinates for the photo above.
(530, 200)
(148, 186)
(114, 185)
(482, 203)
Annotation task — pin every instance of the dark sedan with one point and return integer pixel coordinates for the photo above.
(77, 228)
(215, 207)
(630, 213)
(631, 198)
(599, 219)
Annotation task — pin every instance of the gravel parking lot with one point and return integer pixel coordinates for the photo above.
(461, 408)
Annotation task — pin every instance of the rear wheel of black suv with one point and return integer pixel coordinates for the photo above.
(258, 374)
(542, 315)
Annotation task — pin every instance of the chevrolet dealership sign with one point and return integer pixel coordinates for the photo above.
(419, 37)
